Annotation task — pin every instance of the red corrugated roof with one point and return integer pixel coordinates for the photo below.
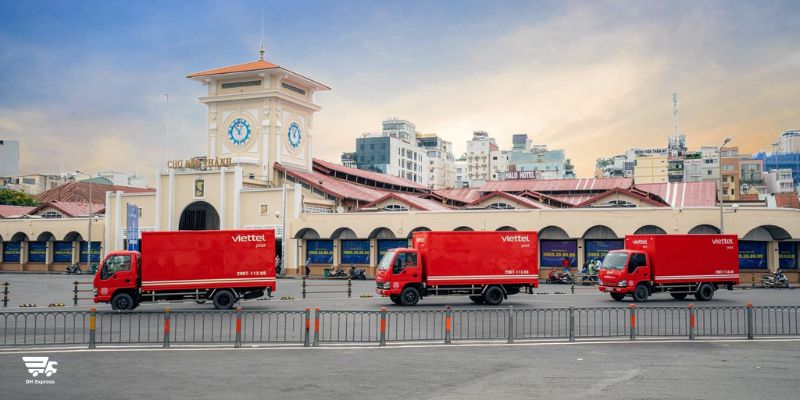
(71, 209)
(412, 201)
(557, 185)
(460, 195)
(334, 187)
(684, 194)
(249, 66)
(14, 211)
(517, 199)
(326, 168)
(641, 196)
(78, 192)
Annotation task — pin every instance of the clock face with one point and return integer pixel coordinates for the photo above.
(239, 131)
(294, 135)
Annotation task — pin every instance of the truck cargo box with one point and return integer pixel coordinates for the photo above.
(689, 258)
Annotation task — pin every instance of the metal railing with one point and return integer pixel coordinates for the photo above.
(5, 294)
(380, 327)
(76, 291)
(335, 284)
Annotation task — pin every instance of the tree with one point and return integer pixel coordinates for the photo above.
(13, 198)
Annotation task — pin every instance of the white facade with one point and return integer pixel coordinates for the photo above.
(408, 161)
(788, 142)
(461, 173)
(441, 167)
(779, 181)
(704, 168)
(499, 164)
(479, 162)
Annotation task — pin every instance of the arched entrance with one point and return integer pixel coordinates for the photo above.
(199, 216)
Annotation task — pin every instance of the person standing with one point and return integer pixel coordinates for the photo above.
(278, 266)
(308, 266)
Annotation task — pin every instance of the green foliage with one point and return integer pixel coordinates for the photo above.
(10, 197)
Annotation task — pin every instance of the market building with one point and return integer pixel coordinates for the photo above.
(259, 172)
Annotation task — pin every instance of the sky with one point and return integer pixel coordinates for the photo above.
(84, 83)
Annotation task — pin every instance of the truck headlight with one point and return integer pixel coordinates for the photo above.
(387, 285)
(622, 283)
(94, 291)
(600, 282)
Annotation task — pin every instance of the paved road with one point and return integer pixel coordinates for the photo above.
(43, 290)
(680, 370)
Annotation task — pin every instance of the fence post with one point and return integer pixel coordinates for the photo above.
(316, 326)
(75, 293)
(306, 339)
(510, 318)
(383, 326)
(349, 287)
(5, 294)
(749, 320)
(304, 287)
(633, 321)
(692, 321)
(752, 281)
(572, 286)
(448, 315)
(571, 323)
(167, 311)
(238, 342)
(92, 326)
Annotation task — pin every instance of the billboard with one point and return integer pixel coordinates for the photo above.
(597, 249)
(787, 255)
(752, 255)
(319, 251)
(37, 252)
(62, 252)
(95, 252)
(355, 252)
(554, 251)
(133, 227)
(385, 245)
(11, 252)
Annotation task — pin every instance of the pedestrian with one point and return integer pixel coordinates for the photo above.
(278, 266)
(308, 267)
(565, 264)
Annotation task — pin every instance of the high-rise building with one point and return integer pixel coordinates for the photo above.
(785, 155)
(9, 158)
(349, 159)
(788, 142)
(461, 172)
(779, 181)
(479, 164)
(730, 173)
(393, 156)
(441, 167)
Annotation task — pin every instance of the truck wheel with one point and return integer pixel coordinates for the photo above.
(641, 293)
(395, 299)
(705, 292)
(617, 296)
(678, 296)
(122, 302)
(409, 296)
(493, 296)
(476, 299)
(224, 300)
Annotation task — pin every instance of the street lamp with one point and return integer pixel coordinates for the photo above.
(721, 221)
(89, 244)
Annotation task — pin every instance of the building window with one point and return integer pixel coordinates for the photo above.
(52, 214)
(234, 85)
(293, 88)
(501, 206)
(395, 207)
(199, 188)
(264, 209)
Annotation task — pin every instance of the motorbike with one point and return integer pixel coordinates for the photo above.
(338, 274)
(777, 280)
(357, 274)
(559, 277)
(73, 269)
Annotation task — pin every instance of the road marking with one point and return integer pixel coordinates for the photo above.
(374, 346)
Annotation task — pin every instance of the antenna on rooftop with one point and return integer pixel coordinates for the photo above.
(675, 111)
(261, 48)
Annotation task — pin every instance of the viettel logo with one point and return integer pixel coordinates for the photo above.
(249, 238)
(516, 238)
(722, 241)
(640, 241)
(40, 365)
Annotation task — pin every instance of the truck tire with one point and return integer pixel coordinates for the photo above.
(224, 299)
(493, 296)
(705, 292)
(395, 299)
(409, 296)
(476, 299)
(678, 296)
(122, 302)
(641, 293)
(617, 296)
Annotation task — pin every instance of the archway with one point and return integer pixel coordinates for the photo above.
(600, 232)
(19, 237)
(767, 233)
(307, 233)
(381, 233)
(506, 229)
(343, 233)
(650, 230)
(463, 229)
(73, 237)
(704, 229)
(199, 216)
(45, 237)
(553, 233)
(418, 229)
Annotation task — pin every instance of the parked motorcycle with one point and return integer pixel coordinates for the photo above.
(357, 274)
(559, 277)
(73, 269)
(339, 274)
(776, 280)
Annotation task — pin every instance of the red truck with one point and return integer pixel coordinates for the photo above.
(221, 266)
(678, 264)
(486, 266)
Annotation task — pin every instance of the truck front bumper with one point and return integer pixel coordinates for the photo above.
(615, 289)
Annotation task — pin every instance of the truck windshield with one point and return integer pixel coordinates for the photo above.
(386, 261)
(615, 260)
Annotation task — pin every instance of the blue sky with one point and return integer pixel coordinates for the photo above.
(84, 82)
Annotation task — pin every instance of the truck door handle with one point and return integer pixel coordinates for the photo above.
(127, 280)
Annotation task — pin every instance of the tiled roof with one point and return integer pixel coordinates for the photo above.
(460, 195)
(328, 168)
(78, 192)
(250, 66)
(14, 211)
(71, 209)
(517, 199)
(557, 185)
(413, 201)
(786, 200)
(684, 194)
(641, 195)
(334, 187)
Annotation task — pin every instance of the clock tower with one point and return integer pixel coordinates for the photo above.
(259, 113)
